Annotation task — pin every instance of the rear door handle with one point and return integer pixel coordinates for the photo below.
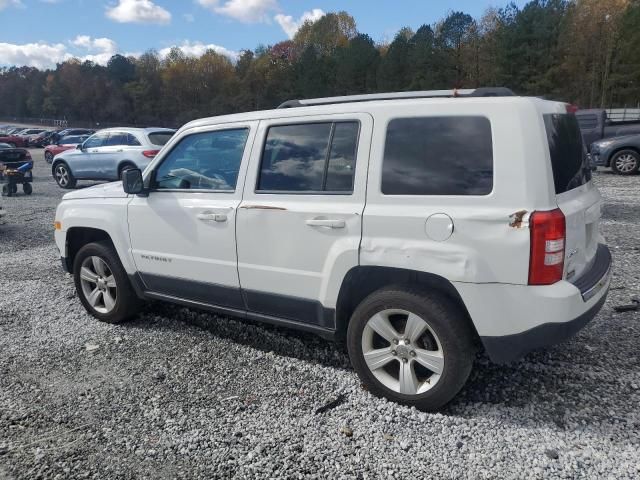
(212, 217)
(326, 223)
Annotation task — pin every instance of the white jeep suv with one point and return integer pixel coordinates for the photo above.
(417, 226)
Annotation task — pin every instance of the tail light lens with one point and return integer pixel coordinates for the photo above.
(548, 235)
(150, 153)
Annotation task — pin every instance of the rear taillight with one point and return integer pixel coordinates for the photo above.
(150, 153)
(571, 108)
(548, 236)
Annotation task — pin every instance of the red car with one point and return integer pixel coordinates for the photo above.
(13, 140)
(65, 143)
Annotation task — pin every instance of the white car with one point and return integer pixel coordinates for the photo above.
(108, 153)
(417, 226)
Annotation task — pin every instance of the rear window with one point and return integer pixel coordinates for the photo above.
(438, 156)
(160, 138)
(568, 155)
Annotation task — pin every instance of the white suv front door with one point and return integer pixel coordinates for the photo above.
(183, 234)
(300, 221)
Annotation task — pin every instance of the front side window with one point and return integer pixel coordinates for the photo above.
(204, 161)
(97, 140)
(312, 157)
(438, 156)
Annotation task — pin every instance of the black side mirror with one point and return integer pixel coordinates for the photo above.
(78, 147)
(132, 182)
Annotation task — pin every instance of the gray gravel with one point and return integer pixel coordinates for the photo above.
(184, 394)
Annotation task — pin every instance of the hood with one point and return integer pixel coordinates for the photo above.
(105, 190)
(622, 139)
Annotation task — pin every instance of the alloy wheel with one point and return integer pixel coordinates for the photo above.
(402, 351)
(626, 163)
(62, 175)
(98, 284)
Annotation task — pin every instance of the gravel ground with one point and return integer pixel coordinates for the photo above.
(184, 394)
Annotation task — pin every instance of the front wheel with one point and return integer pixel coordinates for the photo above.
(27, 188)
(64, 177)
(102, 284)
(625, 162)
(411, 347)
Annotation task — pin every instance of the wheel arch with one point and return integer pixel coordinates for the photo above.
(124, 163)
(361, 281)
(78, 237)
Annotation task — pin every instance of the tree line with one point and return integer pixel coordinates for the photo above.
(583, 51)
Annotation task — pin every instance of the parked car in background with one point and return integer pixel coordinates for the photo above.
(108, 153)
(41, 139)
(70, 131)
(13, 140)
(621, 154)
(5, 145)
(595, 125)
(66, 143)
(27, 133)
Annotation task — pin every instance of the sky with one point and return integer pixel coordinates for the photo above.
(40, 33)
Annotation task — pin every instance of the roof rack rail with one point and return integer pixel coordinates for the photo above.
(477, 92)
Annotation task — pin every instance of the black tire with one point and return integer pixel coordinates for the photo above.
(48, 157)
(447, 322)
(6, 192)
(625, 162)
(59, 176)
(127, 304)
(123, 168)
(27, 188)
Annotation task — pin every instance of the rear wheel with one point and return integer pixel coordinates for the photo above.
(411, 347)
(6, 191)
(625, 162)
(64, 177)
(102, 284)
(27, 188)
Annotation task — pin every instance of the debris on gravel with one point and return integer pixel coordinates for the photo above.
(179, 393)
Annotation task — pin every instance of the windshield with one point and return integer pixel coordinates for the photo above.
(568, 154)
(160, 138)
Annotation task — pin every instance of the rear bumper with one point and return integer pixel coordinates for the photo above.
(513, 320)
(513, 347)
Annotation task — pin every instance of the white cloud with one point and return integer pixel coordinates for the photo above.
(138, 11)
(100, 49)
(40, 55)
(247, 11)
(291, 26)
(196, 49)
(10, 3)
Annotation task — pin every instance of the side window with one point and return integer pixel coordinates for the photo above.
(97, 140)
(204, 161)
(117, 139)
(313, 157)
(438, 156)
(132, 141)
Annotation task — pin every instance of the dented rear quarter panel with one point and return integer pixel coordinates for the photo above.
(490, 240)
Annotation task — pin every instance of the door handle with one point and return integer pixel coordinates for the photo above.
(121, 150)
(326, 223)
(212, 217)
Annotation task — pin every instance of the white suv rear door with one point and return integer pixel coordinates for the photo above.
(300, 222)
(183, 234)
